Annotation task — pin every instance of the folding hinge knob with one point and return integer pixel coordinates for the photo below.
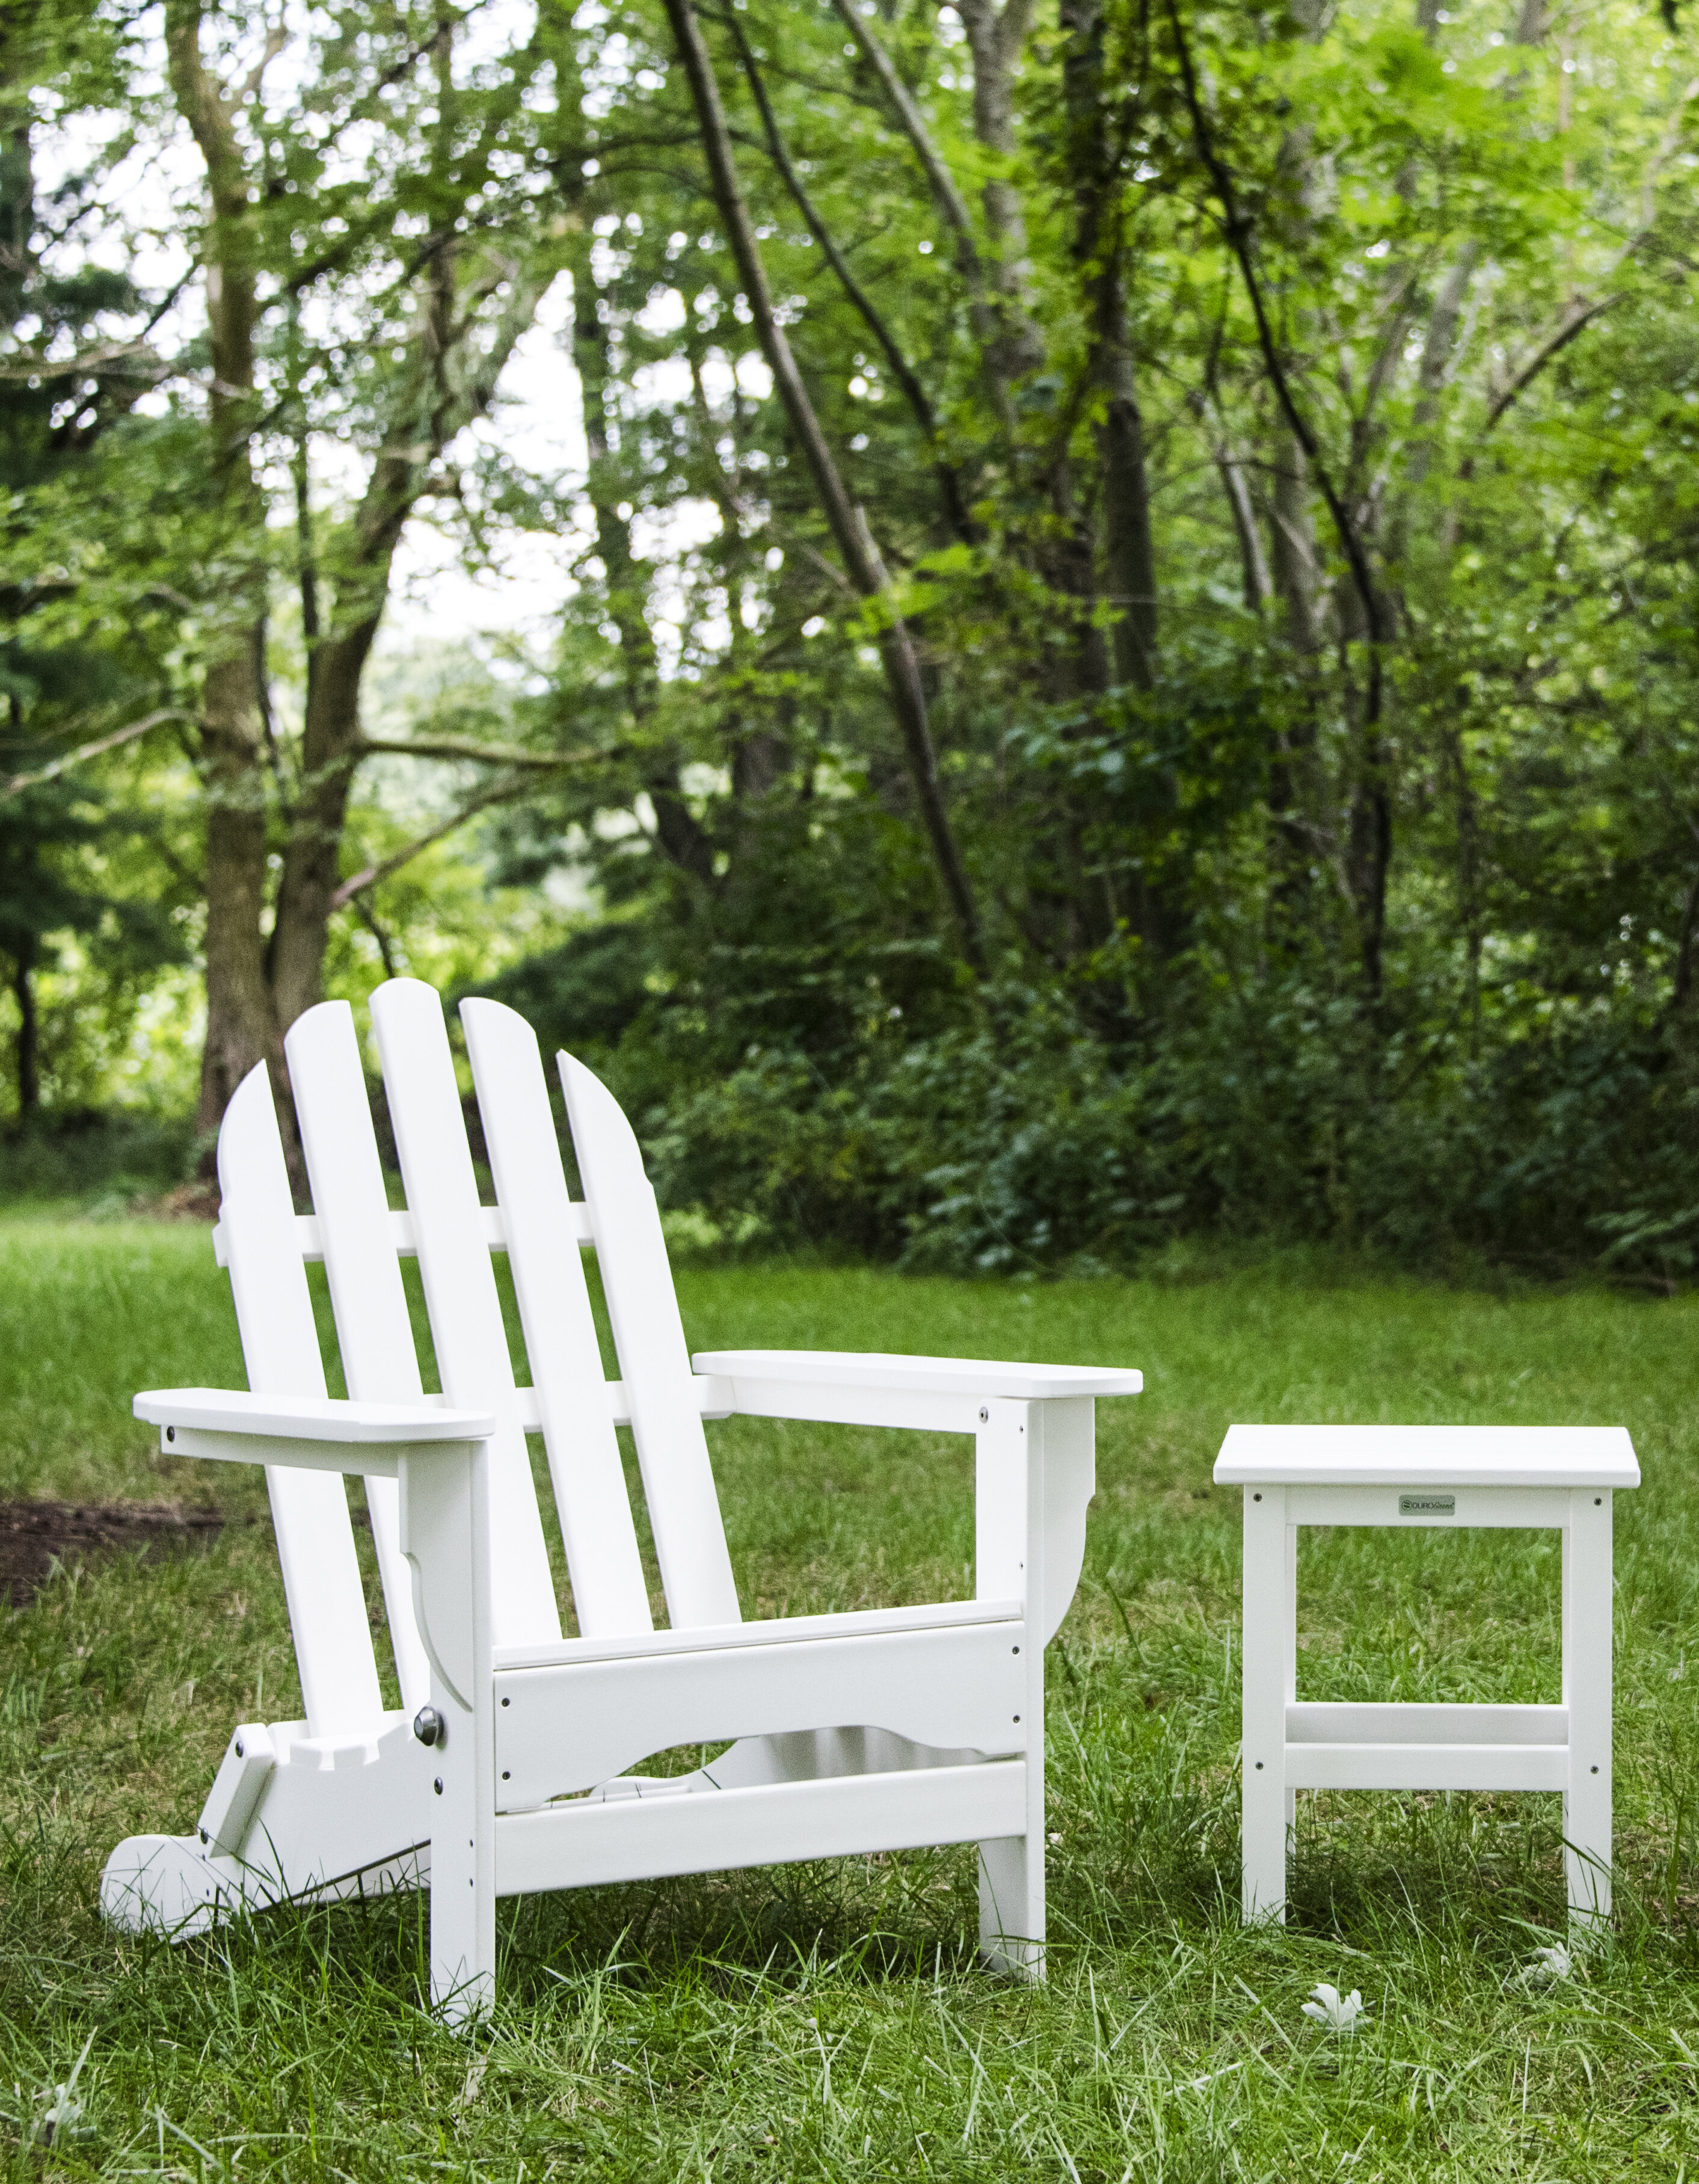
(429, 1726)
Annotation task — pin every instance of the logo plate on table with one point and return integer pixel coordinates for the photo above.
(1427, 1505)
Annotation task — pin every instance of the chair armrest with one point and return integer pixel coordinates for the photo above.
(925, 1376)
(316, 1433)
(1025, 1544)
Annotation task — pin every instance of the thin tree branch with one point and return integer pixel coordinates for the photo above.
(1238, 233)
(468, 747)
(849, 525)
(1582, 314)
(1573, 321)
(1380, 373)
(88, 363)
(949, 478)
(357, 882)
(101, 743)
(950, 201)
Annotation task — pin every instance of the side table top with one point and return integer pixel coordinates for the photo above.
(1427, 1456)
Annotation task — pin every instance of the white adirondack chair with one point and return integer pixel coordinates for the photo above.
(504, 1769)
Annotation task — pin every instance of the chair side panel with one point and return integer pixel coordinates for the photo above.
(609, 1591)
(666, 1421)
(280, 1346)
(374, 1331)
(460, 1292)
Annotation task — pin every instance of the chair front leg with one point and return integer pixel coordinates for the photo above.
(445, 1537)
(1015, 1516)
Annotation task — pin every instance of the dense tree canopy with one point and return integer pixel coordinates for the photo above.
(1128, 665)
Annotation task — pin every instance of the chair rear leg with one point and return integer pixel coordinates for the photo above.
(1012, 1905)
(1012, 1868)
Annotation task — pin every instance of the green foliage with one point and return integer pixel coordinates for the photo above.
(1397, 950)
(102, 1162)
(1278, 435)
(74, 912)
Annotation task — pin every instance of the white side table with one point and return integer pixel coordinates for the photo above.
(1447, 1476)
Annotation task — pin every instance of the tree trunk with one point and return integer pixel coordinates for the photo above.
(684, 841)
(1253, 562)
(952, 210)
(951, 492)
(242, 1024)
(1293, 564)
(256, 988)
(1129, 555)
(848, 526)
(1368, 844)
(995, 35)
(29, 1047)
(312, 863)
(1435, 365)
(1095, 174)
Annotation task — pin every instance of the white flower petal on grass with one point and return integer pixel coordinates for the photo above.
(1548, 1967)
(64, 2120)
(65, 2117)
(1334, 2012)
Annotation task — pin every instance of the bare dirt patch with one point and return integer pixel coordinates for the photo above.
(35, 1536)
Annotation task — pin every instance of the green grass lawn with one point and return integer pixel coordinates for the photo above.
(828, 2021)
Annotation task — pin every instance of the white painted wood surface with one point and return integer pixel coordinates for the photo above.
(934, 1376)
(280, 1349)
(563, 1730)
(864, 1732)
(404, 1237)
(1427, 1456)
(332, 1419)
(784, 1630)
(587, 1844)
(1588, 1616)
(666, 1422)
(573, 1408)
(473, 1361)
(374, 1329)
(1437, 1477)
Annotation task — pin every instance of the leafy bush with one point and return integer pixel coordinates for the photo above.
(96, 1156)
(1014, 1140)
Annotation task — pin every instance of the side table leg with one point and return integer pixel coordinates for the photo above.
(1291, 1691)
(1269, 1634)
(1587, 1633)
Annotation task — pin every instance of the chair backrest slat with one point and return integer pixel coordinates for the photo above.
(609, 1592)
(374, 1332)
(666, 1419)
(460, 1292)
(280, 1346)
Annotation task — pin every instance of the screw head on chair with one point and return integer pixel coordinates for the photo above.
(429, 1726)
